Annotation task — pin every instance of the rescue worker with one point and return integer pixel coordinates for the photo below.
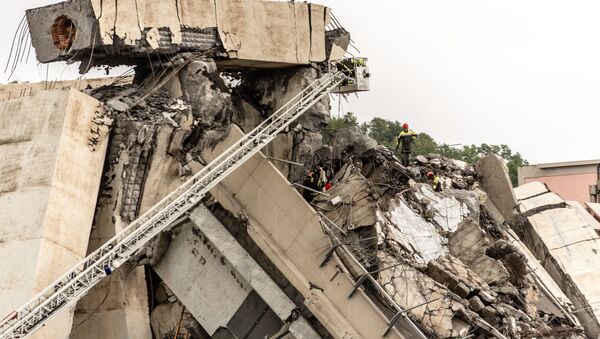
(347, 67)
(315, 180)
(311, 182)
(436, 183)
(406, 138)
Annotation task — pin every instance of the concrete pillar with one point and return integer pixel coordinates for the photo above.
(495, 181)
(49, 181)
(118, 306)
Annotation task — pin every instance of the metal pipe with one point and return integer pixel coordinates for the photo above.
(310, 189)
(286, 161)
(332, 223)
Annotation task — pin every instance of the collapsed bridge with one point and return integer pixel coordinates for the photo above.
(378, 255)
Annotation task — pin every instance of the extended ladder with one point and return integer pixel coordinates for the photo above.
(69, 288)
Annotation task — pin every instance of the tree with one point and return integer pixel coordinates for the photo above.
(347, 120)
(516, 161)
(425, 144)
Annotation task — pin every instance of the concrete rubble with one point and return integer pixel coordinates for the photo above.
(255, 259)
(441, 256)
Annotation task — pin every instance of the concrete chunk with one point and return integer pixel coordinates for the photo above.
(496, 183)
(476, 304)
(469, 244)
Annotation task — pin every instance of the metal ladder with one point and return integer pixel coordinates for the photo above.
(74, 284)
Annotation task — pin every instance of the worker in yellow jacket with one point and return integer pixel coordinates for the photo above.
(406, 138)
(436, 183)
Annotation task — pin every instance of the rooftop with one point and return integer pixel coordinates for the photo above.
(566, 164)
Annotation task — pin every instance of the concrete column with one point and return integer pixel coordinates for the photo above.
(49, 181)
(118, 306)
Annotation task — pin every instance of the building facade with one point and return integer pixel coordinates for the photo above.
(575, 180)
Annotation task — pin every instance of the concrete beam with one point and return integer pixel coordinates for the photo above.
(248, 33)
(215, 278)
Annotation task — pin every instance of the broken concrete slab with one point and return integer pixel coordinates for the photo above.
(546, 283)
(421, 160)
(423, 297)
(453, 273)
(496, 183)
(357, 207)
(476, 304)
(448, 212)
(408, 230)
(336, 43)
(469, 244)
(250, 33)
(564, 239)
(530, 190)
(545, 199)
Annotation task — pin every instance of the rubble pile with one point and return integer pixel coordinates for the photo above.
(438, 255)
(448, 264)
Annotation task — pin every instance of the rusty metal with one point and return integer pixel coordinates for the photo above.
(63, 33)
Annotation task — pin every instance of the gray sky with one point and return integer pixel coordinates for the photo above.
(521, 73)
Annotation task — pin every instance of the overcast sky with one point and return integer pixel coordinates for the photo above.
(521, 73)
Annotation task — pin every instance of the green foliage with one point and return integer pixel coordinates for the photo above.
(347, 120)
(425, 144)
(383, 131)
(515, 161)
